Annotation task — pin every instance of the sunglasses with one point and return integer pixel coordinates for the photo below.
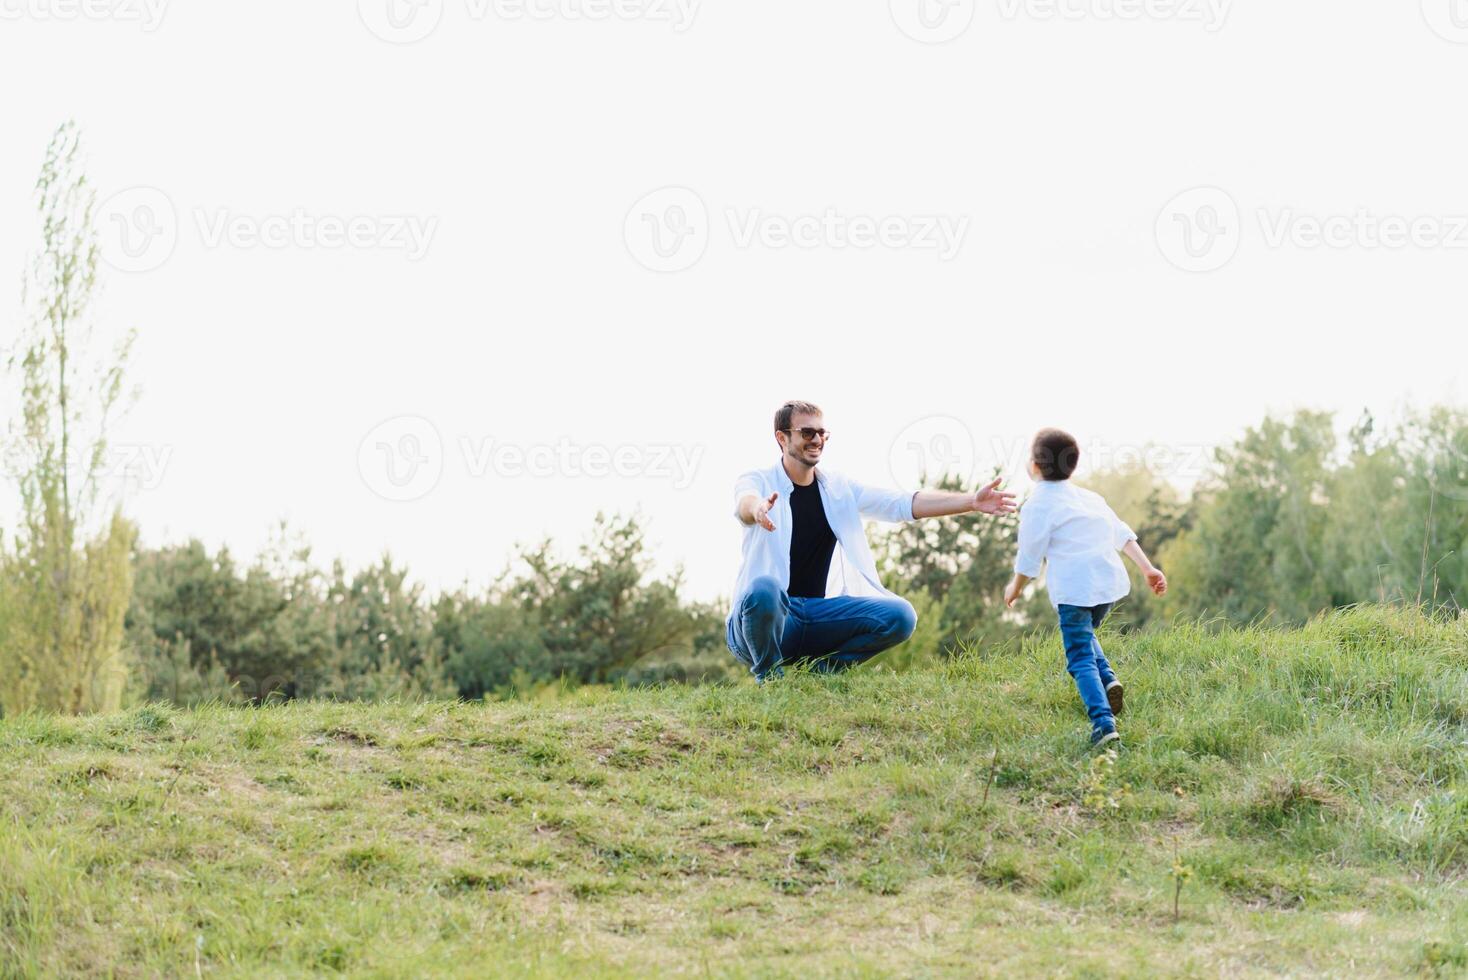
(807, 433)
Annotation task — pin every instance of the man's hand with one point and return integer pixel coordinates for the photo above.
(947, 503)
(1156, 581)
(761, 513)
(992, 500)
(1012, 591)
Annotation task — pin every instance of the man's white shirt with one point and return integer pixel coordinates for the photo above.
(846, 502)
(1079, 536)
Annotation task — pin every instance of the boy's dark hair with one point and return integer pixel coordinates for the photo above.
(788, 410)
(1055, 453)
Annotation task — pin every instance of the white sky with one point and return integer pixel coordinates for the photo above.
(527, 145)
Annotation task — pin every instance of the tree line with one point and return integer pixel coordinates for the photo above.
(1290, 521)
(203, 627)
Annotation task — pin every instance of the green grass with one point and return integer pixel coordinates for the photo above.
(1311, 782)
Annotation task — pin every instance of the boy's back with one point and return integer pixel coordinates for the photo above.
(1080, 536)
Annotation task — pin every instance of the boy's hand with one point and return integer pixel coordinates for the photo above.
(1156, 581)
(1011, 593)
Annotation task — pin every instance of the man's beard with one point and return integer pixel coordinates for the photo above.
(800, 457)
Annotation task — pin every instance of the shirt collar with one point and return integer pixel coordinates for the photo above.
(786, 484)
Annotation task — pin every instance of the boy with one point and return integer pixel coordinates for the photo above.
(1079, 535)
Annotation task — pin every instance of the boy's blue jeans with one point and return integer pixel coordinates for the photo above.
(1086, 663)
(770, 628)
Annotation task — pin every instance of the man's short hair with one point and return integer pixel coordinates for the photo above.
(789, 410)
(1055, 453)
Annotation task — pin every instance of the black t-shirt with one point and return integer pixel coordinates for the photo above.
(812, 542)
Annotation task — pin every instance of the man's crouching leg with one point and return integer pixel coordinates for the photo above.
(889, 621)
(761, 613)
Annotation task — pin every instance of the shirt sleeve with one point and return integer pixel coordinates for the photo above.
(1034, 540)
(748, 485)
(892, 506)
(1121, 532)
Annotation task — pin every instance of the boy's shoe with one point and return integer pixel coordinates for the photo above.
(1115, 697)
(1110, 739)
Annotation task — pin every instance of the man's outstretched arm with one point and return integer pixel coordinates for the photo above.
(945, 503)
(754, 509)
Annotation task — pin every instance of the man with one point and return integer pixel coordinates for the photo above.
(808, 589)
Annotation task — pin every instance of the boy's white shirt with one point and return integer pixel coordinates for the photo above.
(1080, 537)
(846, 502)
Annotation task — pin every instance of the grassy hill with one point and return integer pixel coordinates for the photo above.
(1307, 788)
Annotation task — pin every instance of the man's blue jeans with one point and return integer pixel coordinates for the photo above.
(770, 628)
(1086, 663)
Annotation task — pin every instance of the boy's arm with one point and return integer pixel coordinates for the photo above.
(1032, 541)
(1014, 588)
(1156, 581)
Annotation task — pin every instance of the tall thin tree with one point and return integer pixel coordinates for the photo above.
(67, 574)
